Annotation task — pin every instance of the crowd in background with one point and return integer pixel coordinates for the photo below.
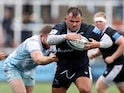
(7, 23)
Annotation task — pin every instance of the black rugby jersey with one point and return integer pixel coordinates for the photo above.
(114, 35)
(70, 58)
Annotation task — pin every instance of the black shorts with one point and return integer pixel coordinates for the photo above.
(115, 74)
(64, 77)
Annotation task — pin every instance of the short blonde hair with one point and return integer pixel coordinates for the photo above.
(100, 14)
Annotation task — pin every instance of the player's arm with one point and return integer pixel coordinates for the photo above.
(105, 42)
(54, 39)
(39, 58)
(35, 50)
(118, 52)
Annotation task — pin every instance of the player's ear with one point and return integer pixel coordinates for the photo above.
(65, 18)
(41, 35)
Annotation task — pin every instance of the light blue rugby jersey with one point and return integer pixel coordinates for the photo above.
(21, 58)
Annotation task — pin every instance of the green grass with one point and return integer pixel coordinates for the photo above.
(46, 88)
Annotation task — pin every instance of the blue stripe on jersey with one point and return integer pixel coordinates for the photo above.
(116, 35)
(96, 30)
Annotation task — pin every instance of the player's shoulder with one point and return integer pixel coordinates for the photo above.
(110, 31)
(87, 26)
(60, 25)
(35, 37)
(32, 40)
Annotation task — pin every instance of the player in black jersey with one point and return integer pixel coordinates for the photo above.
(113, 57)
(73, 65)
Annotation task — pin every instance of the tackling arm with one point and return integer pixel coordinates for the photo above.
(39, 58)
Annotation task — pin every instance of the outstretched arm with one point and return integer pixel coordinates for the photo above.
(57, 39)
(39, 58)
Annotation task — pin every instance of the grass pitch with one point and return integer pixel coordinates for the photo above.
(46, 88)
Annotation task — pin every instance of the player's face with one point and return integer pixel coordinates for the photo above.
(101, 25)
(73, 22)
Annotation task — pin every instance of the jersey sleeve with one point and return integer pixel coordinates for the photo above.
(93, 32)
(116, 36)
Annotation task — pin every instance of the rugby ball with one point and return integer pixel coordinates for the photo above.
(78, 44)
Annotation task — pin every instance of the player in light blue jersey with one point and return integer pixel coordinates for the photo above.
(20, 65)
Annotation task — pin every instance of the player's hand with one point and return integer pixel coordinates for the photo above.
(54, 57)
(2, 55)
(73, 36)
(93, 43)
(109, 60)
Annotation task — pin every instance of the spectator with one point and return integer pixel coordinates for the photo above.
(7, 30)
(26, 32)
